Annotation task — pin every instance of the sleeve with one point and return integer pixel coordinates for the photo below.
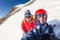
(52, 34)
(31, 35)
(24, 28)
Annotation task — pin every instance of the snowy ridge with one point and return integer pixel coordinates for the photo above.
(11, 28)
(17, 8)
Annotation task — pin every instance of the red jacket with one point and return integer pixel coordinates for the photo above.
(26, 26)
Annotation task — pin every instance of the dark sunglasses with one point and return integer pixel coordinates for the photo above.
(43, 15)
(27, 16)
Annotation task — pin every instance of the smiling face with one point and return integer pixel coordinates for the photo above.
(28, 19)
(42, 18)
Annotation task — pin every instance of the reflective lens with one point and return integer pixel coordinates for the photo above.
(43, 15)
(27, 17)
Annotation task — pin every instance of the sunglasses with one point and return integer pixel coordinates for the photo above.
(43, 15)
(28, 17)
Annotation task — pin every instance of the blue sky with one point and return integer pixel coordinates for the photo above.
(6, 5)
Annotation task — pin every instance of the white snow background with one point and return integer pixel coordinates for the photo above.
(11, 28)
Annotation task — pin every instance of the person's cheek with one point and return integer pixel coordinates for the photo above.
(27, 19)
(41, 20)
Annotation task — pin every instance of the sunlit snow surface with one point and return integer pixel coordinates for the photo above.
(11, 28)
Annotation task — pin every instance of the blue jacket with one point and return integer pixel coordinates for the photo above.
(40, 33)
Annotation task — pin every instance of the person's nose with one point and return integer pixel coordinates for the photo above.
(42, 17)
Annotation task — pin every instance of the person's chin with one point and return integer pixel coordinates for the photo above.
(42, 23)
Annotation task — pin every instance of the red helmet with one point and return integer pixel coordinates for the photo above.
(40, 11)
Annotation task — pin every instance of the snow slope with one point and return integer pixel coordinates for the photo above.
(11, 28)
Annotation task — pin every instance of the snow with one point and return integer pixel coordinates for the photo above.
(11, 28)
(19, 5)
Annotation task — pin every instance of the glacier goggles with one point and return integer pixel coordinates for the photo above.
(43, 15)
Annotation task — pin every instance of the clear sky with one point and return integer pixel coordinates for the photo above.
(6, 5)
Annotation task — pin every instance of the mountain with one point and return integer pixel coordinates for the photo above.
(14, 10)
(10, 29)
(8, 15)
